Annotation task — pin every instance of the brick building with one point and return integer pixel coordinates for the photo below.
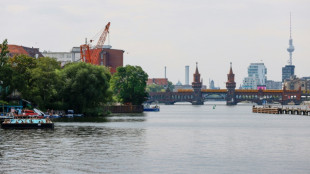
(294, 83)
(18, 50)
(112, 58)
(158, 81)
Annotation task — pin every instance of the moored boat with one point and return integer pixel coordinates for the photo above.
(6, 116)
(27, 122)
(148, 108)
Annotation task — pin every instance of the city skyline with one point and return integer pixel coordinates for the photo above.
(155, 34)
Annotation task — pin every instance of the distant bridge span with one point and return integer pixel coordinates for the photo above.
(255, 96)
(197, 96)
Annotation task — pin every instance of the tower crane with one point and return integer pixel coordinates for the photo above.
(93, 55)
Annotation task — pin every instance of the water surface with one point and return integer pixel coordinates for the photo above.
(178, 139)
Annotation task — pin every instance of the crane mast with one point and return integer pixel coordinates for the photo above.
(93, 55)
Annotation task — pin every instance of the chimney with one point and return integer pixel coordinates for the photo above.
(186, 75)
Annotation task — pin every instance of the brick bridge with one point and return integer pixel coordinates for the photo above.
(197, 96)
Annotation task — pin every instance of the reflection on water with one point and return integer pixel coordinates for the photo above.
(111, 118)
(69, 148)
(178, 139)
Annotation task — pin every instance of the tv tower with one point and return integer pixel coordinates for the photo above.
(291, 48)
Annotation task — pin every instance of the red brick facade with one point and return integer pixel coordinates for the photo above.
(158, 81)
(18, 50)
(113, 58)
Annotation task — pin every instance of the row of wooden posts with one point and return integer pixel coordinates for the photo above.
(277, 110)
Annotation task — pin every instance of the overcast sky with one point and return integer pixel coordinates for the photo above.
(172, 33)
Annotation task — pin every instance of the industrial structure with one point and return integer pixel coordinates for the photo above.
(186, 75)
(179, 86)
(99, 54)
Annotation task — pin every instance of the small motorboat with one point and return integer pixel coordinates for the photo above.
(149, 108)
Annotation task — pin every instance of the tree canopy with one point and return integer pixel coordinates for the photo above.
(22, 66)
(5, 71)
(78, 86)
(155, 88)
(85, 86)
(129, 84)
(42, 89)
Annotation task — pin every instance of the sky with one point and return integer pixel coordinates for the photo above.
(171, 33)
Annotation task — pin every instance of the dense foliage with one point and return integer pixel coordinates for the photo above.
(5, 72)
(85, 88)
(159, 88)
(155, 88)
(129, 84)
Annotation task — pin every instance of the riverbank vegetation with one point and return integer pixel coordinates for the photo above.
(83, 87)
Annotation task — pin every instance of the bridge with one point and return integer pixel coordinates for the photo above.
(232, 96)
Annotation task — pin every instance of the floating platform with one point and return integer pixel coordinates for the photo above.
(277, 110)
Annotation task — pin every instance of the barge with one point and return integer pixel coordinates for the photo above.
(26, 122)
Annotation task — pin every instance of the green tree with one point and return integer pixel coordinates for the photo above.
(5, 71)
(129, 84)
(85, 87)
(22, 66)
(170, 86)
(43, 83)
(154, 88)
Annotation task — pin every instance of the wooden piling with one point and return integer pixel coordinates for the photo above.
(277, 110)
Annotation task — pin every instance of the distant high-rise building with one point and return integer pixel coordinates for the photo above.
(256, 76)
(289, 70)
(270, 84)
(186, 75)
(212, 86)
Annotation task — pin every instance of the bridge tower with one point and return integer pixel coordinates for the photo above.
(231, 85)
(197, 85)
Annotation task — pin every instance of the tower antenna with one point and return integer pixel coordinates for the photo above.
(291, 48)
(290, 25)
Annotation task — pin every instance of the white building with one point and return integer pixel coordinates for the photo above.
(256, 76)
(65, 57)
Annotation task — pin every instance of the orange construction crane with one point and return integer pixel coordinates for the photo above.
(93, 55)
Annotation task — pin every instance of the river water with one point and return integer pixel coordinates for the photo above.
(179, 139)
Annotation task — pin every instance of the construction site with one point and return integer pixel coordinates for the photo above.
(89, 52)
